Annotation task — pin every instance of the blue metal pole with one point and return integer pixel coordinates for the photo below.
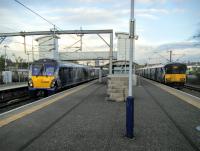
(130, 117)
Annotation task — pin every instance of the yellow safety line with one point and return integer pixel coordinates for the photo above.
(183, 96)
(40, 106)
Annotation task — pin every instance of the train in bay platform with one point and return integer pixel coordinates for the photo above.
(47, 76)
(173, 74)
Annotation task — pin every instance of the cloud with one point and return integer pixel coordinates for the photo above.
(94, 1)
(152, 11)
(148, 16)
(94, 15)
(12, 21)
(182, 51)
(159, 1)
(151, 1)
(177, 45)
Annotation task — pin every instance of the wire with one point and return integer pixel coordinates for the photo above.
(35, 13)
(43, 18)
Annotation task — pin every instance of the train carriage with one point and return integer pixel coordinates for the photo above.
(48, 75)
(173, 74)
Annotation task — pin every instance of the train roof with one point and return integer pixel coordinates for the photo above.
(164, 65)
(173, 63)
(155, 66)
(69, 64)
(61, 64)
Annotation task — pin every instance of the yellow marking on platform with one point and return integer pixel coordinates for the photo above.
(26, 112)
(193, 100)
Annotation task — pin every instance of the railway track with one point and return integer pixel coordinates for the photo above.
(20, 96)
(12, 104)
(191, 87)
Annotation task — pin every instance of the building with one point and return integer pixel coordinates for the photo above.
(48, 47)
(123, 46)
(121, 66)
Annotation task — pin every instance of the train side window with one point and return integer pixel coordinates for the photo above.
(161, 70)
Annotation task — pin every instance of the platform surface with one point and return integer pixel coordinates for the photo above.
(14, 85)
(82, 120)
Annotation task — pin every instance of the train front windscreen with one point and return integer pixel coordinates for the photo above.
(175, 69)
(43, 69)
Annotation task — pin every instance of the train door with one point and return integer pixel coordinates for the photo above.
(159, 77)
(76, 75)
(70, 75)
(162, 75)
(84, 74)
(62, 76)
(156, 74)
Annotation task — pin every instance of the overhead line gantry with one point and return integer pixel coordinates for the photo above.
(60, 32)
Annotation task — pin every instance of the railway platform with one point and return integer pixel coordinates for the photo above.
(81, 119)
(14, 85)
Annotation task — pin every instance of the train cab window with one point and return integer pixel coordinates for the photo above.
(49, 70)
(175, 69)
(37, 69)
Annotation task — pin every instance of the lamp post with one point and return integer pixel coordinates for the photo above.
(130, 99)
(125, 54)
(28, 59)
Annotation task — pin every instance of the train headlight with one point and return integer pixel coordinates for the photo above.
(30, 83)
(53, 83)
(182, 79)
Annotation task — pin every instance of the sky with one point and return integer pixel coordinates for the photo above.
(161, 25)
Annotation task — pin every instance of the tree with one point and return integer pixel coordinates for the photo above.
(20, 62)
(2, 63)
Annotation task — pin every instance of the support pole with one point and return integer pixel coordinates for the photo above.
(111, 53)
(170, 58)
(5, 61)
(130, 99)
(25, 44)
(28, 60)
(54, 44)
(100, 75)
(125, 54)
(32, 51)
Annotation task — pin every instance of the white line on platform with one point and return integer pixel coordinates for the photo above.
(191, 99)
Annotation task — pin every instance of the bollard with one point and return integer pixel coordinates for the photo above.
(130, 117)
